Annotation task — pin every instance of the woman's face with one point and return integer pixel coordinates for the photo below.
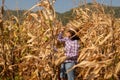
(68, 34)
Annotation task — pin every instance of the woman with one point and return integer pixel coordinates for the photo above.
(71, 51)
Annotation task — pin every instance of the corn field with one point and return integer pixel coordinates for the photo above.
(27, 49)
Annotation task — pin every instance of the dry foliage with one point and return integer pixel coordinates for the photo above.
(99, 59)
(27, 50)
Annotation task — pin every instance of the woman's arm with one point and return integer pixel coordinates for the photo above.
(60, 37)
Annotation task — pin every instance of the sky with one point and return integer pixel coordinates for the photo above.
(60, 5)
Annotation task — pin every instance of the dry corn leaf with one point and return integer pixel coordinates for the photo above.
(35, 16)
(32, 38)
(105, 39)
(108, 75)
(117, 69)
(60, 60)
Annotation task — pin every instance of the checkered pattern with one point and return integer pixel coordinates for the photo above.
(71, 47)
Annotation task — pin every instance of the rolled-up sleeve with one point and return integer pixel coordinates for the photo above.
(60, 37)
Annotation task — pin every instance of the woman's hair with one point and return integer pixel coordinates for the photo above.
(73, 35)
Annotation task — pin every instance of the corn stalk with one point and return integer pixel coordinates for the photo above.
(27, 49)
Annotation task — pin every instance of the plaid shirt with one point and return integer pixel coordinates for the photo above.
(71, 47)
